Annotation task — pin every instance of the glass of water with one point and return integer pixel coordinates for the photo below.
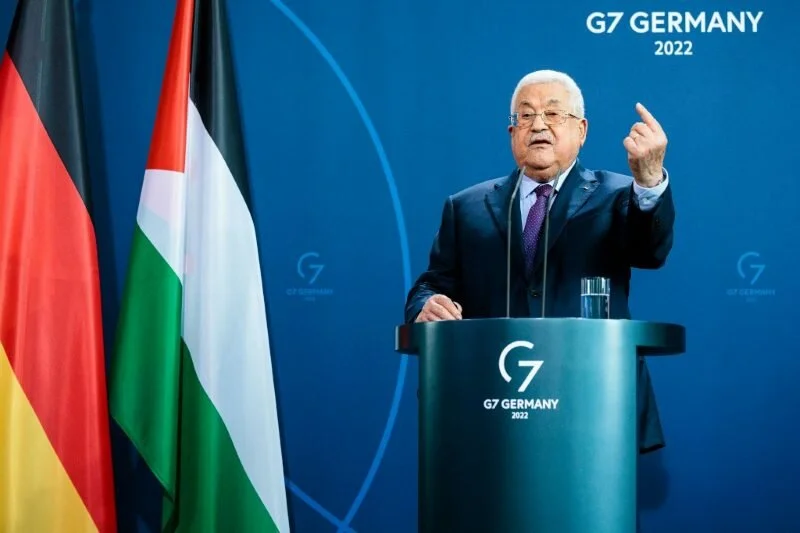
(595, 297)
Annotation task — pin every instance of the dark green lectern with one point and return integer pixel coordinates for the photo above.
(529, 425)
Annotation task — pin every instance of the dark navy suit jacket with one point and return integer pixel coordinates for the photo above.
(596, 229)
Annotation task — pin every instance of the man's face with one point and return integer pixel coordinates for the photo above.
(546, 148)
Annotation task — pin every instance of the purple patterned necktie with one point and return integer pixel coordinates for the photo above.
(533, 226)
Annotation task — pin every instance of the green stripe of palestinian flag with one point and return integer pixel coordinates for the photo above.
(192, 382)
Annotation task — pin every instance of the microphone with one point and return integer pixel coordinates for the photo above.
(508, 241)
(547, 239)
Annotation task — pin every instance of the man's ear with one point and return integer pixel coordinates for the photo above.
(584, 130)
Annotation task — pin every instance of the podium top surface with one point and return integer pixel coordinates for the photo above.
(650, 338)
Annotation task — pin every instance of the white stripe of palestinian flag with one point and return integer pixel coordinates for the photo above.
(224, 329)
(192, 383)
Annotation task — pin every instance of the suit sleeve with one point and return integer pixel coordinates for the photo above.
(442, 274)
(649, 233)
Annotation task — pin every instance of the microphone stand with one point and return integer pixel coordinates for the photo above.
(550, 201)
(508, 240)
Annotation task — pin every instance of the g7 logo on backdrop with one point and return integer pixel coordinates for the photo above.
(596, 22)
(307, 267)
(533, 365)
(749, 266)
(678, 23)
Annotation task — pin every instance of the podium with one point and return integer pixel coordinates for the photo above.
(529, 425)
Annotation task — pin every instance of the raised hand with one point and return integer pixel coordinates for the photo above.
(646, 145)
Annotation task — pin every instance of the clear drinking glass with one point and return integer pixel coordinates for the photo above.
(595, 297)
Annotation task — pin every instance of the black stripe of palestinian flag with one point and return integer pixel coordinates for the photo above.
(213, 89)
(192, 377)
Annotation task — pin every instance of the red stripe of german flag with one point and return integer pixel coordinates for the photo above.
(56, 463)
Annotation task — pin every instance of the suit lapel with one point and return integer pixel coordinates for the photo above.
(497, 202)
(578, 186)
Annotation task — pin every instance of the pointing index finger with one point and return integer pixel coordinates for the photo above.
(647, 117)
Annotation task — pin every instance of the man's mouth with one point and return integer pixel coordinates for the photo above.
(540, 142)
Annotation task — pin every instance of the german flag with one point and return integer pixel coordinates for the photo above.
(55, 460)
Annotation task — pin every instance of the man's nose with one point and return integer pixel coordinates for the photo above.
(538, 123)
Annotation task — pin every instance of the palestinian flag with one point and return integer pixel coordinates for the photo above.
(55, 459)
(192, 381)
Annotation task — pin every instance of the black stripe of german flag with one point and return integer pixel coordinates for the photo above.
(38, 38)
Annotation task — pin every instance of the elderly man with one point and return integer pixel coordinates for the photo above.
(600, 224)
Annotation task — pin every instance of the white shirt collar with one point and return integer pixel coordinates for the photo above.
(528, 185)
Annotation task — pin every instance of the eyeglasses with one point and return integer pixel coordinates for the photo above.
(550, 117)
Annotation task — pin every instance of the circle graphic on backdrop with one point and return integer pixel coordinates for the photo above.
(344, 524)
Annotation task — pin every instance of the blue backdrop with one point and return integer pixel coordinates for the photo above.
(361, 116)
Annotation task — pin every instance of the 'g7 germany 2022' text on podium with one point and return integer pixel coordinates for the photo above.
(529, 425)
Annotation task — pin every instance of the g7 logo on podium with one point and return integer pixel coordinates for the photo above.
(529, 363)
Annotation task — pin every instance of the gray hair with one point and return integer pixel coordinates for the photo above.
(552, 76)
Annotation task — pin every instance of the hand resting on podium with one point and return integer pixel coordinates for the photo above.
(439, 307)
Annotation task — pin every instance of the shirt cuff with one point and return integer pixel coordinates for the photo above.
(646, 197)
